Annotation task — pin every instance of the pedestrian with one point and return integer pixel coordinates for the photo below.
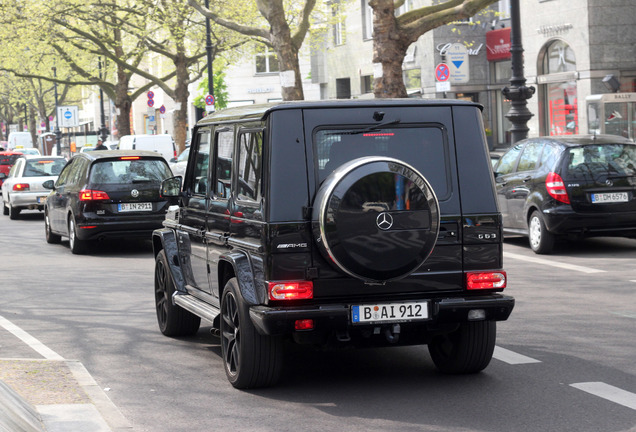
(100, 145)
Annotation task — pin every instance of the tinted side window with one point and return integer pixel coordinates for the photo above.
(197, 180)
(508, 161)
(78, 173)
(249, 165)
(63, 178)
(224, 153)
(549, 156)
(529, 159)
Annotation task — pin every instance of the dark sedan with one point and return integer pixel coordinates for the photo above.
(568, 186)
(106, 194)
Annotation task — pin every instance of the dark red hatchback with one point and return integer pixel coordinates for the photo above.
(568, 186)
(106, 194)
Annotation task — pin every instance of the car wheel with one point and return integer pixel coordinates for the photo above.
(14, 212)
(250, 359)
(172, 319)
(5, 209)
(467, 350)
(376, 219)
(50, 237)
(540, 239)
(78, 246)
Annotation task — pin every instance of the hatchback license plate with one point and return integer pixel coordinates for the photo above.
(129, 207)
(389, 312)
(600, 198)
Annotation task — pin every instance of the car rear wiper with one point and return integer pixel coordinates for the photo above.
(365, 130)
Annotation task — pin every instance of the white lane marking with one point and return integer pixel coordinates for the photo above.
(512, 357)
(611, 393)
(32, 342)
(626, 314)
(552, 263)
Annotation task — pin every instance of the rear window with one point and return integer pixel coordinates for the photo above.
(8, 159)
(422, 147)
(129, 171)
(617, 160)
(44, 167)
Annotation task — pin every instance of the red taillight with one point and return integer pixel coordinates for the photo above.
(298, 290)
(304, 324)
(486, 280)
(21, 187)
(556, 188)
(92, 195)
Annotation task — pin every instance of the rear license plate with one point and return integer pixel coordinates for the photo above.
(599, 198)
(130, 207)
(41, 199)
(389, 312)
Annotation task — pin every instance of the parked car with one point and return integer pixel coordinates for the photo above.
(20, 139)
(23, 188)
(368, 222)
(178, 165)
(27, 150)
(7, 160)
(568, 186)
(106, 194)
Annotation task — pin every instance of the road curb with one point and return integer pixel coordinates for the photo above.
(16, 414)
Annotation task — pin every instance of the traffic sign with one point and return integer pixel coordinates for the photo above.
(150, 95)
(151, 102)
(442, 72)
(209, 100)
(68, 116)
(162, 109)
(457, 54)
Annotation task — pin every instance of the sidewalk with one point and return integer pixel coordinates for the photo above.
(54, 396)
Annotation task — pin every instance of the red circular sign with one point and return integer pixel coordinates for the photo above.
(209, 100)
(442, 72)
(151, 102)
(150, 95)
(162, 110)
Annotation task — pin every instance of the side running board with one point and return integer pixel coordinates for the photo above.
(196, 306)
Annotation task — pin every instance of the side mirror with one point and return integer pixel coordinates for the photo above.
(49, 184)
(3, 176)
(173, 160)
(171, 187)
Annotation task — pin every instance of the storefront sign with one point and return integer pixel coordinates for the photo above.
(498, 44)
(444, 47)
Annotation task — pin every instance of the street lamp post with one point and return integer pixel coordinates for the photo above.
(58, 133)
(208, 48)
(103, 130)
(518, 93)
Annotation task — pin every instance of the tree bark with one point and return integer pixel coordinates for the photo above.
(181, 95)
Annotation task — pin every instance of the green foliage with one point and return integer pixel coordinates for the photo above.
(220, 92)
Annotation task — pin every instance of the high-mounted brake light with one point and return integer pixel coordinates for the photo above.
(486, 280)
(92, 195)
(556, 188)
(21, 187)
(129, 158)
(297, 290)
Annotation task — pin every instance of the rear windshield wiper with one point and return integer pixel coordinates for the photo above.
(365, 130)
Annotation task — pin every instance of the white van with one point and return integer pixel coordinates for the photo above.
(20, 140)
(162, 143)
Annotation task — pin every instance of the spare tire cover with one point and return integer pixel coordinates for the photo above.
(376, 218)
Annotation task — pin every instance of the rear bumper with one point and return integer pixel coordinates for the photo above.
(29, 199)
(94, 228)
(279, 320)
(562, 221)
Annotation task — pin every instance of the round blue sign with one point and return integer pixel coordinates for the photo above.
(68, 115)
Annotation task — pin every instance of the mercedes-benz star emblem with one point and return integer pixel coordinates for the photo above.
(609, 182)
(134, 193)
(384, 221)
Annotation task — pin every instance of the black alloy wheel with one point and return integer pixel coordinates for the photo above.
(251, 360)
(172, 319)
(51, 238)
(466, 350)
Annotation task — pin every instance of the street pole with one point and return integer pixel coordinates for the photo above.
(208, 48)
(58, 132)
(103, 131)
(518, 93)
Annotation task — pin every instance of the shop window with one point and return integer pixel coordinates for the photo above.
(559, 96)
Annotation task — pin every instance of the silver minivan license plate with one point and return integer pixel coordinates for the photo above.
(614, 197)
(389, 312)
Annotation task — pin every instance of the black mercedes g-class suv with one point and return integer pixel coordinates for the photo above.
(368, 222)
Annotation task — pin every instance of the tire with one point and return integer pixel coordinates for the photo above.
(376, 219)
(78, 246)
(540, 239)
(172, 319)
(5, 209)
(467, 350)
(251, 360)
(13, 212)
(50, 237)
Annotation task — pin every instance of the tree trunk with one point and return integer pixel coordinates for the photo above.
(181, 95)
(123, 103)
(389, 49)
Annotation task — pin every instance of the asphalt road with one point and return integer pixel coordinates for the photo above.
(565, 360)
